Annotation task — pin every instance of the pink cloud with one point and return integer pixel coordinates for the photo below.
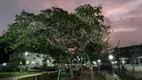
(124, 9)
(112, 11)
(124, 29)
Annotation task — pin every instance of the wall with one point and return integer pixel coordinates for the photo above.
(135, 68)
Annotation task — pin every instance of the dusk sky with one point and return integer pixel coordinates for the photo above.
(124, 16)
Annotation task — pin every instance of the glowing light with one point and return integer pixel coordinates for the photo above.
(112, 62)
(111, 57)
(47, 61)
(99, 60)
(26, 53)
(115, 62)
(33, 62)
(27, 62)
(123, 61)
(20, 62)
(4, 64)
(94, 62)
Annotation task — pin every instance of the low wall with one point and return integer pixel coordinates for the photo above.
(109, 76)
(135, 68)
(136, 75)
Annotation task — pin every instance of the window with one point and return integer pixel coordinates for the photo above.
(34, 58)
(27, 62)
(131, 47)
(132, 52)
(38, 55)
(33, 62)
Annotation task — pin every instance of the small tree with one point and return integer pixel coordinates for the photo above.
(15, 63)
(44, 61)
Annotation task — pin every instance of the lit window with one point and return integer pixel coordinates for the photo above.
(27, 62)
(47, 61)
(33, 62)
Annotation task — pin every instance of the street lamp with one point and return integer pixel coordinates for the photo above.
(111, 57)
(123, 62)
(27, 62)
(20, 66)
(99, 61)
(4, 64)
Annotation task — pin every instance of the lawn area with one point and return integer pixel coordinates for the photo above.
(9, 74)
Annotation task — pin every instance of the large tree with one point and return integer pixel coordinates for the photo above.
(56, 29)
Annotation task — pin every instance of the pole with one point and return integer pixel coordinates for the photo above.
(91, 68)
(112, 68)
(139, 61)
(58, 75)
(99, 67)
(92, 73)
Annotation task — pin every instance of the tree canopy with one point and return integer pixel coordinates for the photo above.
(55, 31)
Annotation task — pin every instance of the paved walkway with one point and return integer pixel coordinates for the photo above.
(18, 77)
(87, 75)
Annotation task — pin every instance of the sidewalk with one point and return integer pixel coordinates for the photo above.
(85, 75)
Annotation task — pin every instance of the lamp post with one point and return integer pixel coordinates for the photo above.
(99, 61)
(123, 62)
(111, 57)
(20, 66)
(123, 68)
(3, 65)
(27, 62)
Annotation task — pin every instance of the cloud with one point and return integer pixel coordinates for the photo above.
(126, 8)
(124, 29)
(126, 38)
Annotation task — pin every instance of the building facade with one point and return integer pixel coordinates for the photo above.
(32, 59)
(130, 51)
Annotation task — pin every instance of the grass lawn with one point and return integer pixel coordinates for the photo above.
(9, 74)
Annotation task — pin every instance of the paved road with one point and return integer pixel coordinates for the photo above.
(18, 77)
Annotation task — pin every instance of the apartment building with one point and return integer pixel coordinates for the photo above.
(32, 59)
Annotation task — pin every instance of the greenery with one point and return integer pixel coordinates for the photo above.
(57, 32)
(44, 61)
(14, 63)
(9, 74)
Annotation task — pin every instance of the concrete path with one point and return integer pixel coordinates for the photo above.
(86, 75)
(18, 77)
